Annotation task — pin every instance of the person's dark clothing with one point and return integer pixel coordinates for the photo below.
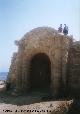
(65, 30)
(60, 29)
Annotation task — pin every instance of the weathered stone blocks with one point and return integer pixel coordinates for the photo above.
(47, 41)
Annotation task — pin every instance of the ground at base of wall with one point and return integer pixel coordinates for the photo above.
(50, 107)
(36, 101)
(19, 104)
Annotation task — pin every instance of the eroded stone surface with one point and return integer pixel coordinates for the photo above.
(61, 51)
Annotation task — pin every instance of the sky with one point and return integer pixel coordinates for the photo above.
(17, 17)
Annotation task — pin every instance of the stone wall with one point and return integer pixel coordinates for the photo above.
(41, 40)
(11, 74)
(74, 68)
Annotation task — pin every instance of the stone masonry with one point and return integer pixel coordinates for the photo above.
(60, 50)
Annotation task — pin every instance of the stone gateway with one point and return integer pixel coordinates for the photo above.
(46, 59)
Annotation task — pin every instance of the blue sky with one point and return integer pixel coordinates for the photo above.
(19, 16)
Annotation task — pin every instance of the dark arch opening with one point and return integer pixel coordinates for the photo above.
(40, 72)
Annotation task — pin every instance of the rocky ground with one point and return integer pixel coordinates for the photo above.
(26, 104)
(53, 107)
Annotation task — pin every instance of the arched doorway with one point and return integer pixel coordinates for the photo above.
(40, 72)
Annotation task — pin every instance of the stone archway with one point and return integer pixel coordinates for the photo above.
(40, 72)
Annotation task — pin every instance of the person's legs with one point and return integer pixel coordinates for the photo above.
(65, 32)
